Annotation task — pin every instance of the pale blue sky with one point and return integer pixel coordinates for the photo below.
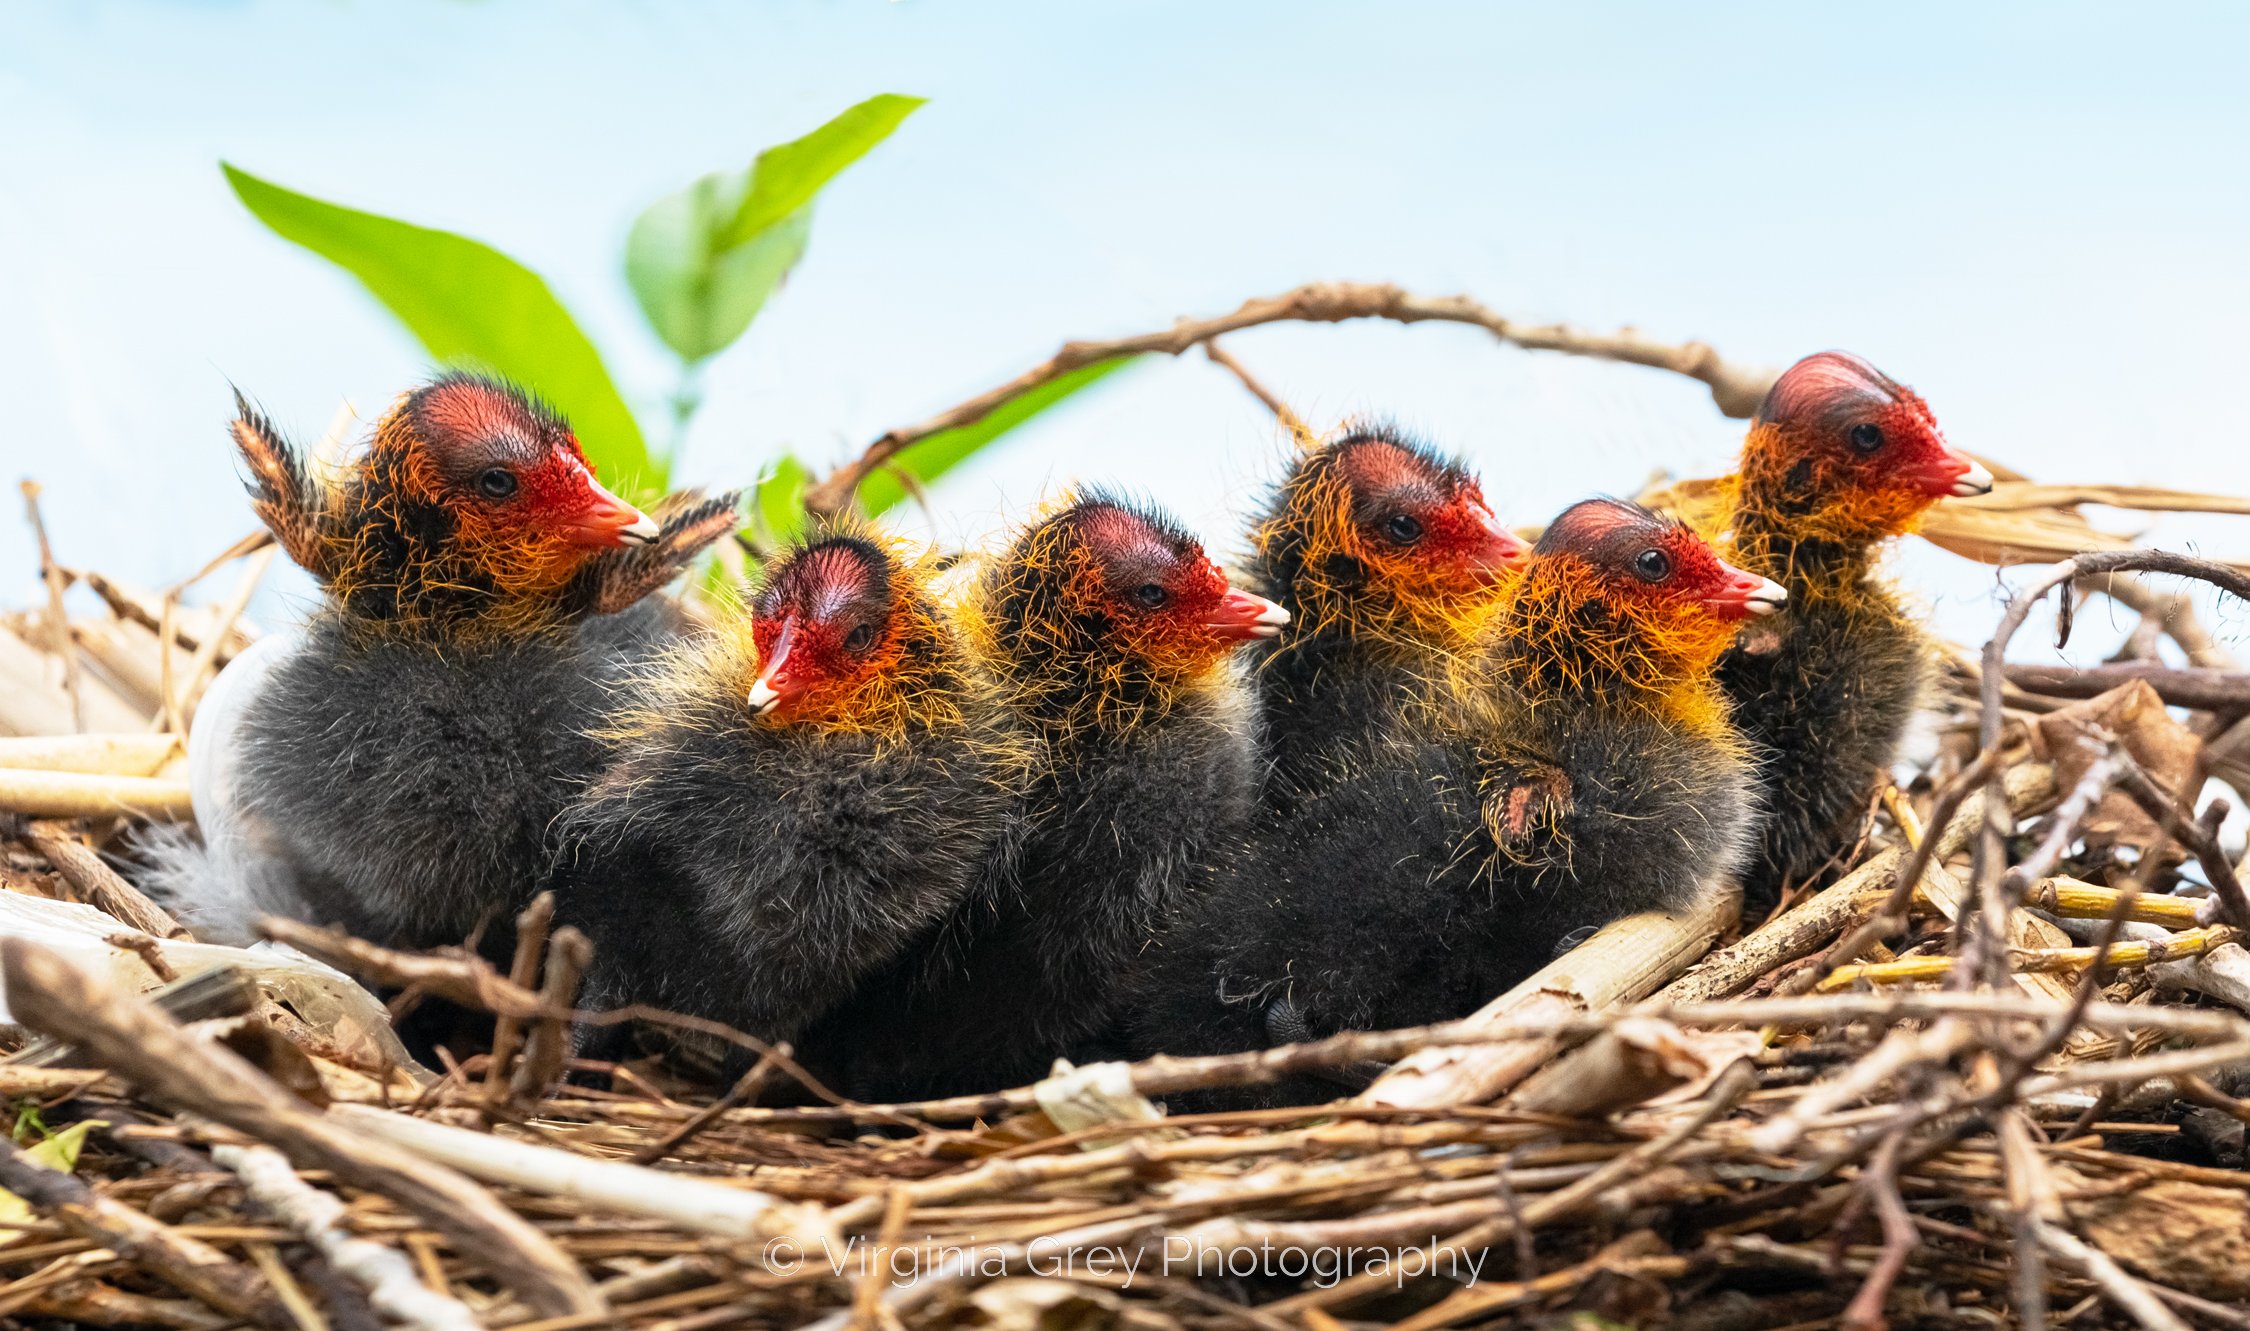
(2035, 213)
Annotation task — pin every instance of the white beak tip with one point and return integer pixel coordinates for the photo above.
(641, 531)
(761, 698)
(1768, 598)
(1977, 481)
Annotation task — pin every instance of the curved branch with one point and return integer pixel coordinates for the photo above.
(2233, 581)
(1735, 388)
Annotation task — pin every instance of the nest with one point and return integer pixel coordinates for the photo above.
(1982, 1070)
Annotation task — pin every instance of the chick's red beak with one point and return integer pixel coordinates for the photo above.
(1501, 549)
(776, 682)
(1242, 617)
(609, 521)
(1745, 595)
(1952, 475)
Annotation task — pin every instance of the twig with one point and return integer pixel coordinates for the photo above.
(1290, 420)
(1865, 1312)
(93, 795)
(1989, 848)
(569, 952)
(531, 940)
(58, 618)
(391, 1283)
(103, 887)
(208, 654)
(1737, 390)
(744, 1090)
(189, 1265)
(2173, 611)
(1726, 1092)
(692, 1204)
(2167, 809)
(2144, 952)
(136, 1041)
(2120, 1288)
(1891, 916)
(2194, 686)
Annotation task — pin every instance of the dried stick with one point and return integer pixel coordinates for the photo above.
(139, 1043)
(461, 977)
(58, 618)
(1290, 420)
(86, 795)
(2120, 1288)
(1989, 848)
(2198, 687)
(569, 952)
(208, 654)
(744, 1090)
(608, 1185)
(95, 755)
(392, 1285)
(2174, 612)
(1736, 389)
(2141, 952)
(103, 887)
(1865, 1311)
(531, 939)
(189, 1265)
(1627, 960)
(1800, 932)
(1736, 1082)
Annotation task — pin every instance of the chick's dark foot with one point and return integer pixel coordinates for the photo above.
(1575, 937)
(1286, 1024)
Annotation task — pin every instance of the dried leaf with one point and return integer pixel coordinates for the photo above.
(2074, 737)
(2185, 1235)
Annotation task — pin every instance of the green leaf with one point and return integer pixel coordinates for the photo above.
(700, 298)
(703, 261)
(780, 500)
(58, 1152)
(469, 305)
(940, 453)
(788, 175)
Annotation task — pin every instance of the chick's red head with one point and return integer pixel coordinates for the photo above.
(1615, 594)
(1151, 587)
(1377, 523)
(1841, 451)
(824, 628)
(510, 474)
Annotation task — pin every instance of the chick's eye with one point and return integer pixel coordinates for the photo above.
(1403, 528)
(860, 639)
(1867, 437)
(496, 483)
(1150, 596)
(1652, 565)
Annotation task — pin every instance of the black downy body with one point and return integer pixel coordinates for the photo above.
(752, 873)
(398, 770)
(1134, 778)
(1501, 815)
